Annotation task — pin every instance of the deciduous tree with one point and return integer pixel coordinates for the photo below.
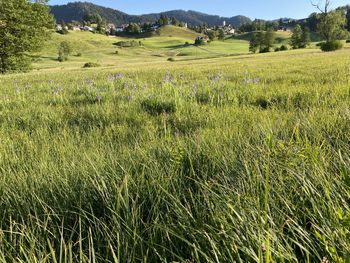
(24, 26)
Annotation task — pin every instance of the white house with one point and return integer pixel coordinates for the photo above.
(87, 28)
(76, 28)
(154, 27)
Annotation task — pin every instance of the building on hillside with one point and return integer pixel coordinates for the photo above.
(111, 26)
(224, 23)
(87, 28)
(154, 27)
(121, 28)
(285, 29)
(76, 28)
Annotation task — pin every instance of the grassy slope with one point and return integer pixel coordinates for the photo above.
(181, 32)
(98, 48)
(250, 164)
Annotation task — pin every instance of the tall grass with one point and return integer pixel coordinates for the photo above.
(235, 161)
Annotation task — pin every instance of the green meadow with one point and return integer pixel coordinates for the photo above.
(217, 156)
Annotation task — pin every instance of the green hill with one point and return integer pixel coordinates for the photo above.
(169, 41)
(174, 31)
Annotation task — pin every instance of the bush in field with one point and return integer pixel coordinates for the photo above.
(171, 59)
(331, 45)
(131, 43)
(91, 65)
(283, 48)
(64, 51)
(200, 41)
(348, 41)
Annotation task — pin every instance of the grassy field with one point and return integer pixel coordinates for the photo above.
(169, 42)
(235, 158)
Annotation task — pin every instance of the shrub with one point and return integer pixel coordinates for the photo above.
(277, 49)
(283, 48)
(64, 51)
(171, 59)
(117, 52)
(199, 41)
(262, 102)
(264, 50)
(348, 41)
(91, 65)
(156, 106)
(132, 43)
(78, 54)
(331, 46)
(61, 58)
(319, 44)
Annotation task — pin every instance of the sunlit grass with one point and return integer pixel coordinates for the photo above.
(236, 159)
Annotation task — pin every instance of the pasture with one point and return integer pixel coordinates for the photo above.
(220, 156)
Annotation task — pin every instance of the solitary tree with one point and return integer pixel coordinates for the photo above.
(262, 41)
(64, 30)
(64, 50)
(221, 35)
(255, 42)
(24, 26)
(300, 37)
(296, 37)
(211, 35)
(101, 24)
(331, 25)
(268, 40)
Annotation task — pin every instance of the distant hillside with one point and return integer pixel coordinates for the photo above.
(197, 18)
(77, 10)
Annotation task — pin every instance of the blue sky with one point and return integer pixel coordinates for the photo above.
(269, 9)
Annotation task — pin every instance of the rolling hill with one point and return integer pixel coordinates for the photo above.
(77, 10)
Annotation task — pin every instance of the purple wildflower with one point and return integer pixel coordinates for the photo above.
(195, 89)
(119, 76)
(168, 78)
(251, 80)
(98, 98)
